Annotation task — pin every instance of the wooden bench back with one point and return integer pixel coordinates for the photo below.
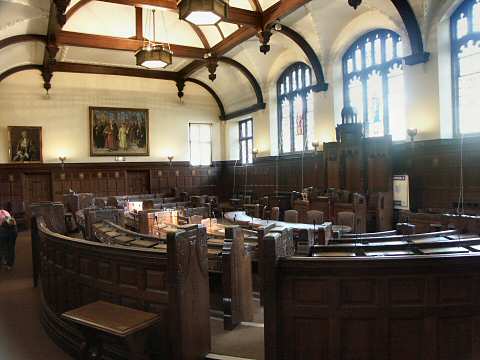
(175, 286)
(388, 308)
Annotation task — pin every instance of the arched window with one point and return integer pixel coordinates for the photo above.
(373, 83)
(465, 42)
(295, 109)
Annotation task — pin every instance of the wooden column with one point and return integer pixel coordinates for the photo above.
(237, 279)
(188, 293)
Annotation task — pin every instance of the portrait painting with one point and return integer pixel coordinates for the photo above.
(25, 144)
(118, 132)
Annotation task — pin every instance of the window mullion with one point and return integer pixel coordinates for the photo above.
(305, 121)
(385, 89)
(292, 125)
(366, 126)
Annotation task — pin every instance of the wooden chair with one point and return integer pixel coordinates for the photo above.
(346, 218)
(148, 204)
(112, 201)
(99, 203)
(291, 216)
(275, 213)
(314, 216)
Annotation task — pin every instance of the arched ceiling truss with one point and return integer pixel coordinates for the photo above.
(22, 38)
(321, 85)
(419, 55)
(19, 68)
(248, 24)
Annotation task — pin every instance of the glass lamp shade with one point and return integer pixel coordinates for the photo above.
(203, 12)
(156, 57)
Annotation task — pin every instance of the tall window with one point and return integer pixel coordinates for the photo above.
(465, 42)
(295, 109)
(373, 83)
(200, 137)
(246, 141)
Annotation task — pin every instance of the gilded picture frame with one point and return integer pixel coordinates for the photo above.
(119, 131)
(25, 144)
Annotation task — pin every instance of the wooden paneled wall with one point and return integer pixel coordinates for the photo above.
(269, 174)
(370, 309)
(434, 168)
(41, 182)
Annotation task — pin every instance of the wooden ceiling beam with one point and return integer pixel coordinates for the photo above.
(201, 36)
(166, 4)
(298, 39)
(189, 69)
(113, 70)
(419, 55)
(234, 39)
(19, 68)
(245, 111)
(251, 79)
(212, 92)
(22, 38)
(281, 9)
(244, 17)
(235, 15)
(76, 7)
(139, 23)
(255, 4)
(117, 43)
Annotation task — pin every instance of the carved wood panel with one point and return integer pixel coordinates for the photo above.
(138, 182)
(372, 310)
(38, 187)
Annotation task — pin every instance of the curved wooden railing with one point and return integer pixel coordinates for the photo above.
(77, 272)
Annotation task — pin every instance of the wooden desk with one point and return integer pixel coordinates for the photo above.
(115, 320)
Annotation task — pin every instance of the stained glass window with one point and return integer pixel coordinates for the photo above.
(376, 90)
(295, 109)
(465, 35)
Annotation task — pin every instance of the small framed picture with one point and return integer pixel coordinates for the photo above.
(25, 144)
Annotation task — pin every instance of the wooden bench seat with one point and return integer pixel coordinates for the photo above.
(111, 318)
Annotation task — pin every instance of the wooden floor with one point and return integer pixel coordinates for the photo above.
(23, 338)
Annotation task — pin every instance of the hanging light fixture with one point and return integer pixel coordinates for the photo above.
(153, 55)
(203, 12)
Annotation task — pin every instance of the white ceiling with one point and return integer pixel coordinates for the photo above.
(329, 26)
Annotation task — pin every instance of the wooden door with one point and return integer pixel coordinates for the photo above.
(38, 187)
(138, 182)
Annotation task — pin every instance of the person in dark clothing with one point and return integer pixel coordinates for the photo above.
(8, 239)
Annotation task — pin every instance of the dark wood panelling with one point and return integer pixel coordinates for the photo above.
(76, 272)
(269, 174)
(38, 187)
(370, 309)
(138, 182)
(40, 182)
(434, 169)
(433, 166)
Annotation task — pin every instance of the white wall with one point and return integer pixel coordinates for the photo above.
(427, 86)
(64, 116)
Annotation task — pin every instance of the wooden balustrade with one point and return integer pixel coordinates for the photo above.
(77, 272)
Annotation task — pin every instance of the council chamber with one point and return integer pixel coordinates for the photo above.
(240, 179)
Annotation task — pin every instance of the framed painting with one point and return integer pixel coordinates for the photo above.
(25, 144)
(118, 132)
